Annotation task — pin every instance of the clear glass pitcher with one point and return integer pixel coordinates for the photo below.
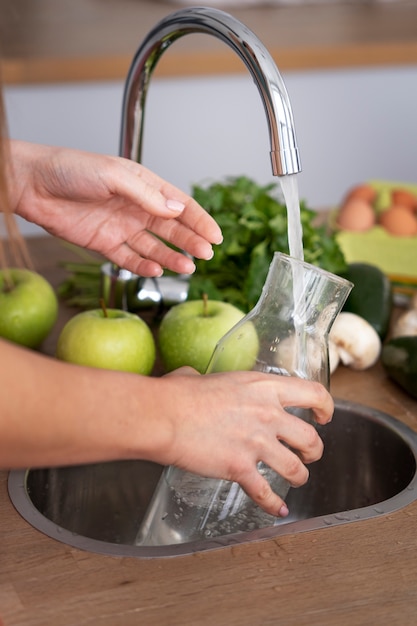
(286, 334)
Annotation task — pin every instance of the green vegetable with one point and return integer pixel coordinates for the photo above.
(399, 357)
(82, 287)
(253, 219)
(371, 296)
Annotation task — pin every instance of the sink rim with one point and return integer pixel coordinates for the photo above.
(20, 499)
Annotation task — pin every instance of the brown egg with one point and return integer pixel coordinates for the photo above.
(404, 198)
(399, 220)
(362, 192)
(356, 215)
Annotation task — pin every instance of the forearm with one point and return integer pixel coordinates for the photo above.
(53, 413)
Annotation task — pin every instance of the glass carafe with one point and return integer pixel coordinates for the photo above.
(286, 334)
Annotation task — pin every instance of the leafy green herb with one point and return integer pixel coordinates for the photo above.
(82, 287)
(253, 219)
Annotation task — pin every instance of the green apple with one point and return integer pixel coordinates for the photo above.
(237, 350)
(190, 331)
(28, 307)
(108, 339)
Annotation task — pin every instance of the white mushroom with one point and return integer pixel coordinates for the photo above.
(286, 356)
(357, 342)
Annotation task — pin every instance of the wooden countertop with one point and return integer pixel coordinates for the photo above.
(359, 573)
(58, 41)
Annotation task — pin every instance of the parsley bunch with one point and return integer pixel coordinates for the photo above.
(253, 219)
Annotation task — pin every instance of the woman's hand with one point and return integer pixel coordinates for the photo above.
(111, 205)
(222, 425)
(216, 425)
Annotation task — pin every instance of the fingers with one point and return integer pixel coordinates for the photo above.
(260, 491)
(192, 231)
(143, 188)
(288, 465)
(144, 252)
(173, 232)
(295, 392)
(294, 444)
(147, 255)
(301, 436)
(149, 259)
(289, 444)
(161, 199)
(130, 259)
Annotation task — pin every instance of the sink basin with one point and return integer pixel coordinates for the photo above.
(368, 469)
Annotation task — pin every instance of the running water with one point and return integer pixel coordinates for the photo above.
(289, 189)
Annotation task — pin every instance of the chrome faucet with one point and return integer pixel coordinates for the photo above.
(121, 288)
(284, 151)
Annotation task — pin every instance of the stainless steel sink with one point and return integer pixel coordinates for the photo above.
(368, 469)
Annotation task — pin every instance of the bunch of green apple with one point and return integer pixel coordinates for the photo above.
(28, 307)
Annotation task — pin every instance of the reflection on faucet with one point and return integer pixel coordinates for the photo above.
(284, 151)
(283, 146)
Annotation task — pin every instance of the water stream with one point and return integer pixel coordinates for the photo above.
(289, 187)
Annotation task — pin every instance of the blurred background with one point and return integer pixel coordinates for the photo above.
(350, 69)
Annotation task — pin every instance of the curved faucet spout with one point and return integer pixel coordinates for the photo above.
(284, 151)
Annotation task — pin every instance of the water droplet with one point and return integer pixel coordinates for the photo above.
(327, 521)
(265, 555)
